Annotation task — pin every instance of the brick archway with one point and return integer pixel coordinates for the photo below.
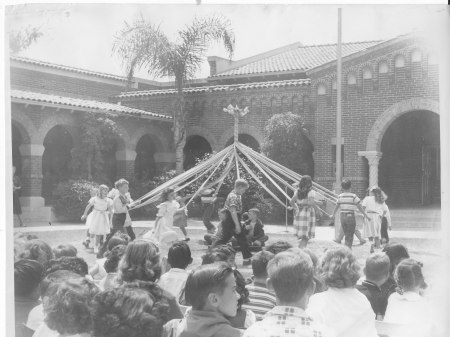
(243, 129)
(205, 133)
(392, 113)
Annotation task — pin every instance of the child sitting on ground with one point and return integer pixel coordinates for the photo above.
(174, 280)
(377, 272)
(407, 306)
(255, 229)
(211, 290)
(261, 299)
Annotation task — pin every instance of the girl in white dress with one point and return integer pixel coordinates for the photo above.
(98, 221)
(163, 230)
(375, 208)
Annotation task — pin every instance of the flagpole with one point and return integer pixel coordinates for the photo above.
(338, 105)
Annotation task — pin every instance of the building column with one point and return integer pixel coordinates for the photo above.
(373, 157)
(31, 192)
(125, 163)
(164, 161)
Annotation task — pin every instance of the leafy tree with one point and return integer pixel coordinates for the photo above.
(98, 138)
(22, 39)
(143, 45)
(286, 142)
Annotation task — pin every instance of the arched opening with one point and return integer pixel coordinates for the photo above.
(196, 147)
(56, 158)
(16, 155)
(247, 140)
(409, 169)
(144, 164)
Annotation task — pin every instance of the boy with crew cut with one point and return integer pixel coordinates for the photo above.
(211, 291)
(261, 299)
(291, 276)
(377, 272)
(174, 280)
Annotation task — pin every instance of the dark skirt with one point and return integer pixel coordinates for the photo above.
(17, 209)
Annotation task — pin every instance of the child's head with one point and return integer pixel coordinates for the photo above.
(168, 194)
(122, 186)
(245, 216)
(240, 186)
(278, 247)
(27, 276)
(37, 250)
(179, 255)
(308, 251)
(259, 264)
(408, 275)
(378, 194)
(118, 239)
(64, 250)
(224, 215)
(339, 268)
(214, 256)
(140, 262)
(56, 277)
(396, 253)
(377, 268)
(113, 258)
(73, 264)
(346, 185)
(123, 312)
(241, 289)
(291, 276)
(212, 287)
(228, 250)
(304, 187)
(253, 214)
(103, 191)
(68, 310)
(93, 192)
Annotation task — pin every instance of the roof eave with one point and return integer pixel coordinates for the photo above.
(249, 76)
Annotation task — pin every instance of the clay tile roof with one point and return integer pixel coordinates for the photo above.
(299, 58)
(67, 68)
(83, 104)
(215, 88)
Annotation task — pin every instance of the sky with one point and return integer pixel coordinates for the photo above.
(81, 35)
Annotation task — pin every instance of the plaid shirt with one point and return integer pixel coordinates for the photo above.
(286, 322)
(233, 200)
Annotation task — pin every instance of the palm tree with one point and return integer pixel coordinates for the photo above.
(144, 45)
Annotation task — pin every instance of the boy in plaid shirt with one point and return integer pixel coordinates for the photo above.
(291, 276)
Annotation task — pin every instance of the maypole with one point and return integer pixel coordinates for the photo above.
(338, 106)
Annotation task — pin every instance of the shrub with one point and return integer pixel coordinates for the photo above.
(71, 198)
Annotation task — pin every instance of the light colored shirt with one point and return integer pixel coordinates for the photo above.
(284, 321)
(261, 300)
(36, 317)
(348, 201)
(118, 206)
(347, 312)
(174, 281)
(45, 331)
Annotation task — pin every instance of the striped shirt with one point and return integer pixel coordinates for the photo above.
(348, 201)
(261, 300)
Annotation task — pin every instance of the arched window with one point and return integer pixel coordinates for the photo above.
(399, 61)
(321, 89)
(294, 106)
(351, 78)
(416, 56)
(383, 67)
(367, 74)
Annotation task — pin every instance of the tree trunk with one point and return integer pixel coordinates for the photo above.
(179, 130)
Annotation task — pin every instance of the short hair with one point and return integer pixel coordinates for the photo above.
(165, 194)
(113, 258)
(241, 183)
(64, 250)
(278, 247)
(245, 216)
(68, 310)
(241, 288)
(254, 210)
(73, 264)
(128, 311)
(56, 277)
(346, 184)
(37, 250)
(204, 280)
(396, 253)
(119, 183)
(27, 276)
(308, 251)
(408, 275)
(118, 239)
(260, 261)
(214, 256)
(291, 274)
(140, 262)
(103, 188)
(179, 255)
(228, 250)
(339, 268)
(377, 267)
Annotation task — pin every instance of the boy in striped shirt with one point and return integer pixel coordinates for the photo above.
(261, 299)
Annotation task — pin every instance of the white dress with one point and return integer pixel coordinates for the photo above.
(98, 220)
(163, 232)
(375, 211)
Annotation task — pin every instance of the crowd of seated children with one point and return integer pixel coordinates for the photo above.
(111, 266)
